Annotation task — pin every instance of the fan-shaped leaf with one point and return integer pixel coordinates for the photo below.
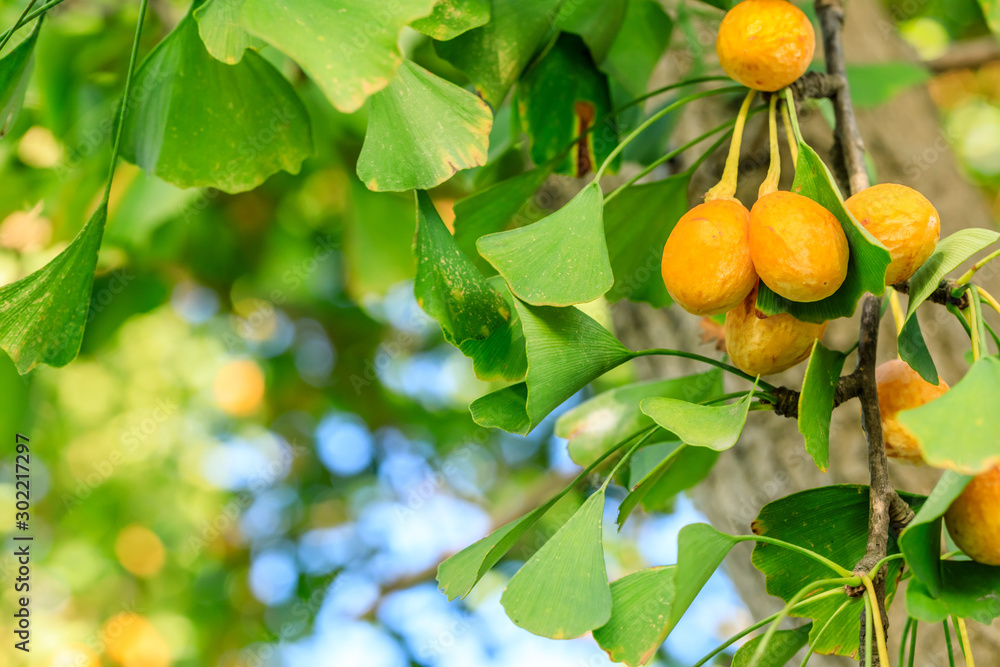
(421, 130)
(958, 430)
(502, 356)
(15, 68)
(451, 18)
(644, 36)
(714, 427)
(921, 541)
(566, 350)
(679, 470)
(562, 591)
(220, 30)
(968, 590)
(782, 648)
(250, 126)
(949, 254)
(493, 55)
(596, 21)
(560, 260)
(348, 47)
(640, 604)
(816, 401)
(43, 315)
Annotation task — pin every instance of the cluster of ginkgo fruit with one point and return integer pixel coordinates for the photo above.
(719, 252)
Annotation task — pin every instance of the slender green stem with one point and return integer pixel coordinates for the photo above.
(20, 19)
(657, 116)
(868, 635)
(902, 640)
(963, 640)
(30, 17)
(645, 436)
(843, 572)
(770, 183)
(990, 300)
(790, 104)
(125, 98)
(769, 635)
(737, 394)
(913, 643)
(967, 276)
(829, 622)
(757, 626)
(887, 559)
(708, 360)
(947, 642)
(793, 144)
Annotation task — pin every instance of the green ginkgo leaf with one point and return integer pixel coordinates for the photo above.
(448, 286)
(220, 30)
(421, 130)
(640, 605)
(958, 430)
(562, 591)
(638, 46)
(714, 427)
(493, 55)
(43, 315)
(921, 541)
(816, 401)
(779, 652)
(348, 47)
(596, 21)
(251, 126)
(561, 260)
(451, 18)
(15, 68)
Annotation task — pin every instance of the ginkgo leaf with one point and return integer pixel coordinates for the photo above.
(560, 260)
(714, 427)
(43, 315)
(220, 30)
(448, 286)
(816, 401)
(15, 67)
(348, 47)
(251, 126)
(421, 130)
(640, 605)
(562, 591)
(921, 541)
(451, 18)
(493, 55)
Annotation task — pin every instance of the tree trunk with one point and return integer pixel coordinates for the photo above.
(908, 146)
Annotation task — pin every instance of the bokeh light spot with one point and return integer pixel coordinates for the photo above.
(239, 388)
(140, 551)
(344, 444)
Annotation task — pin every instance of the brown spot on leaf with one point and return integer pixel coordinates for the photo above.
(585, 114)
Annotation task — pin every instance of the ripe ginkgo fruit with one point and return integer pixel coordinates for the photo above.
(974, 518)
(765, 44)
(901, 388)
(761, 345)
(706, 260)
(903, 220)
(798, 247)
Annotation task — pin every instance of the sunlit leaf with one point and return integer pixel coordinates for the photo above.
(714, 427)
(493, 55)
(15, 70)
(451, 18)
(220, 30)
(921, 541)
(496, 209)
(949, 254)
(637, 223)
(913, 350)
(644, 36)
(596, 21)
(595, 425)
(502, 356)
(348, 47)
(868, 259)
(448, 287)
(562, 96)
(958, 430)
(557, 369)
(782, 648)
(43, 315)
(816, 401)
(640, 604)
(833, 522)
(251, 126)
(421, 130)
(700, 551)
(991, 11)
(560, 260)
(562, 591)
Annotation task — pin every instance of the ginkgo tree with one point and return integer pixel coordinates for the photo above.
(550, 85)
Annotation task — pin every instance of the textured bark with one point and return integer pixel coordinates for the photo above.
(908, 146)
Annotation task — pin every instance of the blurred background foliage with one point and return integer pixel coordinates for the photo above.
(264, 449)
